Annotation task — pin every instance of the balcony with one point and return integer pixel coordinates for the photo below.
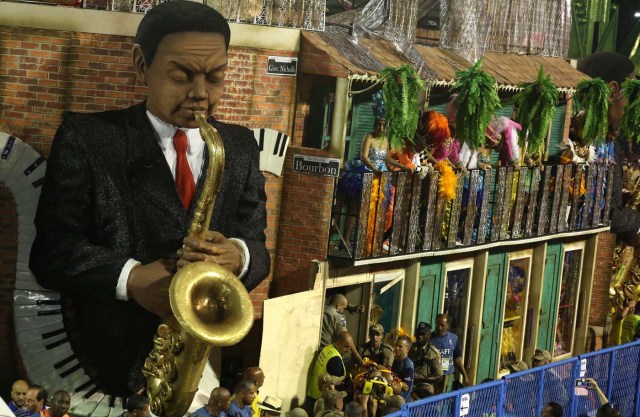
(494, 207)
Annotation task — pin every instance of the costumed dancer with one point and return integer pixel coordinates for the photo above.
(374, 157)
(372, 384)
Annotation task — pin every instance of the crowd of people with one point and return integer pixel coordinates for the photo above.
(393, 369)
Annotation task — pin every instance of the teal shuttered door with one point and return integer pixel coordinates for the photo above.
(362, 121)
(549, 301)
(430, 292)
(489, 350)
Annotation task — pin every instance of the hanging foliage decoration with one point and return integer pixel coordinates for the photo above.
(631, 120)
(476, 104)
(401, 89)
(535, 106)
(592, 96)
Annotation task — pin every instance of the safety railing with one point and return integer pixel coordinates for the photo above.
(392, 214)
(524, 394)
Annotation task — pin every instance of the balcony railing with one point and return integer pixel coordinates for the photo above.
(490, 206)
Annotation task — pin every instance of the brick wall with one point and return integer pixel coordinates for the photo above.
(303, 231)
(601, 279)
(44, 73)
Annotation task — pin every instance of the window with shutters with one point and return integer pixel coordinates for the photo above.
(557, 133)
(362, 121)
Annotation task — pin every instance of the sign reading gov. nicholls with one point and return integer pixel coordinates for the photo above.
(282, 65)
(317, 165)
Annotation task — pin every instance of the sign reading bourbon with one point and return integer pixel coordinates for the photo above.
(282, 65)
(317, 165)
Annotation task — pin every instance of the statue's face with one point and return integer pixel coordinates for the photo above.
(185, 77)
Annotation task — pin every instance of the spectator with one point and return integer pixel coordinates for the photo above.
(631, 326)
(605, 409)
(517, 367)
(393, 404)
(255, 375)
(297, 412)
(353, 409)
(17, 405)
(137, 406)
(36, 399)
(448, 345)
(540, 357)
(403, 366)
(333, 404)
(334, 322)
(426, 357)
(60, 403)
(270, 407)
(329, 360)
(551, 410)
(244, 395)
(422, 390)
(219, 401)
(374, 349)
(326, 382)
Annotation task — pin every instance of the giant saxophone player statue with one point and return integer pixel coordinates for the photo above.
(112, 221)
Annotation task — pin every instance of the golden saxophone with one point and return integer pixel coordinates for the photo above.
(210, 307)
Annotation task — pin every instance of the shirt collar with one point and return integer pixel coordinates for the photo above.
(165, 131)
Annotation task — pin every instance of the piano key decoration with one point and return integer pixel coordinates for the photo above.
(273, 148)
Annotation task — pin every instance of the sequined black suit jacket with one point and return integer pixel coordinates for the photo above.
(109, 196)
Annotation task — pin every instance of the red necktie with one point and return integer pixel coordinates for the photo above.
(184, 178)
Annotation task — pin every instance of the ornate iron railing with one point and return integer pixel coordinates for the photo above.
(490, 206)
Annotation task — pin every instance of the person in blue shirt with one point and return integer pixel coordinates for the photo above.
(219, 401)
(403, 366)
(240, 406)
(448, 345)
(36, 399)
(17, 405)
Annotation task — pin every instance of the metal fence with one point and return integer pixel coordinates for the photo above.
(523, 394)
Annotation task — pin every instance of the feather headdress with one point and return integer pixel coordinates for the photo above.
(504, 127)
(434, 127)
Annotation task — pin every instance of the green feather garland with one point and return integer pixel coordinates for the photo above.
(631, 120)
(535, 106)
(400, 90)
(592, 96)
(476, 103)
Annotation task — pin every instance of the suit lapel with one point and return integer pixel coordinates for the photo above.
(149, 174)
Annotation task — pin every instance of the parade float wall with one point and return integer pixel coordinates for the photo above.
(45, 72)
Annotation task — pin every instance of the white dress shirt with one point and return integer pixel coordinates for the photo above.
(195, 157)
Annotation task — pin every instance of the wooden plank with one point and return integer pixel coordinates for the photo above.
(498, 204)
(533, 202)
(575, 198)
(413, 230)
(564, 199)
(521, 198)
(557, 193)
(484, 207)
(587, 206)
(399, 213)
(506, 206)
(430, 209)
(362, 222)
(454, 218)
(470, 217)
(598, 196)
(543, 215)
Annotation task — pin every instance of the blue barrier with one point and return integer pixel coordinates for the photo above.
(523, 394)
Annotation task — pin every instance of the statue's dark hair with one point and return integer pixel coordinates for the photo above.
(610, 66)
(175, 17)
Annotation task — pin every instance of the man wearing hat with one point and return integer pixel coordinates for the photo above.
(517, 367)
(426, 357)
(270, 407)
(326, 382)
(374, 349)
(333, 404)
(540, 357)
